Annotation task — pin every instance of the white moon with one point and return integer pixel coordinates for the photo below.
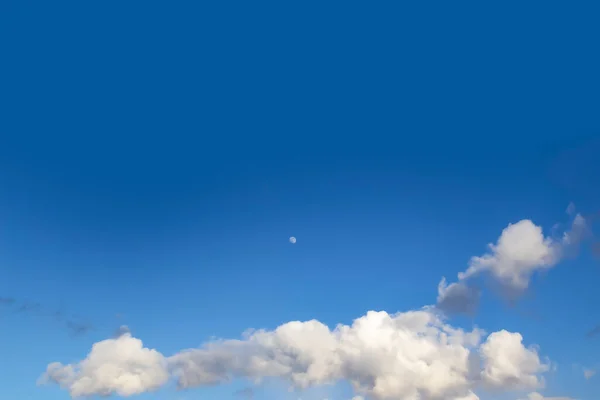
(292, 240)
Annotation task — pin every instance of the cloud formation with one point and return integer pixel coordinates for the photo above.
(507, 363)
(521, 250)
(119, 366)
(412, 355)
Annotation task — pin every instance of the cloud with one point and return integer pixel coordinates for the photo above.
(537, 396)
(588, 373)
(433, 358)
(74, 325)
(508, 363)
(119, 366)
(457, 298)
(519, 252)
(414, 354)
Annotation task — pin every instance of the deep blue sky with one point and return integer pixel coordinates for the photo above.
(155, 158)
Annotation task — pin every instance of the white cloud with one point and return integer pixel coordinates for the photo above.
(520, 250)
(410, 355)
(588, 373)
(537, 396)
(507, 363)
(119, 366)
(407, 355)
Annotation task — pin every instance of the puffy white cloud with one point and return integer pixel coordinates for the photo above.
(119, 366)
(508, 364)
(413, 355)
(537, 396)
(520, 250)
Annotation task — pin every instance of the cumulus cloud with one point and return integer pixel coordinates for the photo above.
(411, 355)
(431, 357)
(521, 250)
(508, 363)
(121, 366)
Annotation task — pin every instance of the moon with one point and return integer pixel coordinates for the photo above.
(292, 240)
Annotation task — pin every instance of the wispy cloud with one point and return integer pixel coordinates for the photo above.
(76, 326)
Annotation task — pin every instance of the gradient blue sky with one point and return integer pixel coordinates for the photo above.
(155, 158)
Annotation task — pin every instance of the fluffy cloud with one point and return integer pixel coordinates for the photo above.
(507, 363)
(119, 366)
(520, 252)
(413, 355)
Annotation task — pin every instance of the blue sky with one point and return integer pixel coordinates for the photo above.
(155, 159)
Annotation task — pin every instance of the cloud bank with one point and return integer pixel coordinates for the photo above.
(414, 355)
(410, 355)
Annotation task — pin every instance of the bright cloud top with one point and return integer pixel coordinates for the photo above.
(412, 355)
(119, 366)
(520, 250)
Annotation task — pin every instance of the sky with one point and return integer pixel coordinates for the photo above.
(437, 163)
